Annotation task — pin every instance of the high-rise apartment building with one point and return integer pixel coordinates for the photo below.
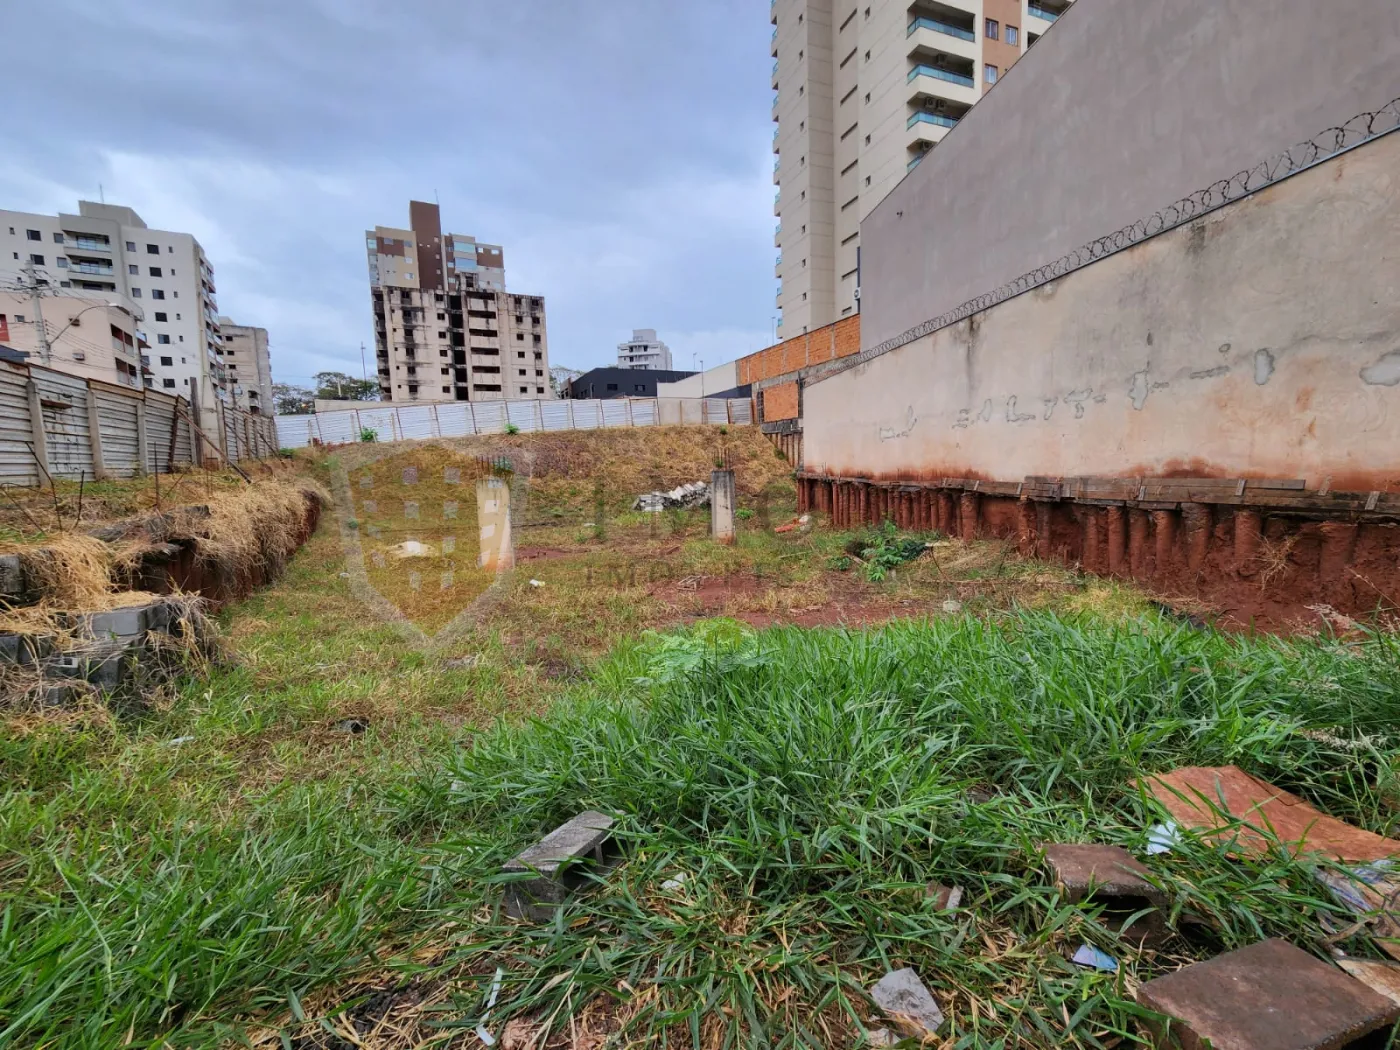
(644, 350)
(445, 328)
(248, 359)
(107, 251)
(864, 89)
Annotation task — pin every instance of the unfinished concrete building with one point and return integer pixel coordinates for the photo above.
(445, 328)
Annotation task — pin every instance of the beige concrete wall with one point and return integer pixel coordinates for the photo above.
(1262, 340)
(1123, 108)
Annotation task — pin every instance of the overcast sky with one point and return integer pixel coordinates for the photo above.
(618, 149)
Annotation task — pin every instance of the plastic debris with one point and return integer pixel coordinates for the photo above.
(945, 898)
(1371, 893)
(1162, 837)
(696, 494)
(536, 583)
(180, 740)
(481, 1032)
(907, 1002)
(675, 884)
(1089, 956)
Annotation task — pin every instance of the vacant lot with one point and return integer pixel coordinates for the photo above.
(300, 847)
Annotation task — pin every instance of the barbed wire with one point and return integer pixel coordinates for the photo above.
(1359, 129)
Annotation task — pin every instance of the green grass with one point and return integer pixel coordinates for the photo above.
(807, 783)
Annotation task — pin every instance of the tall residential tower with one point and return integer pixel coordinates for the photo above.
(864, 89)
(445, 329)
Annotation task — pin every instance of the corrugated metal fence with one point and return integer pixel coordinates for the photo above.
(464, 418)
(48, 421)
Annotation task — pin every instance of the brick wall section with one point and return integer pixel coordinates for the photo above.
(780, 402)
(841, 339)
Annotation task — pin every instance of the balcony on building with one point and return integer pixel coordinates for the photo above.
(83, 243)
(778, 203)
(946, 78)
(776, 96)
(928, 124)
(776, 165)
(773, 12)
(778, 236)
(936, 28)
(1042, 12)
(778, 266)
(773, 46)
(775, 74)
(775, 140)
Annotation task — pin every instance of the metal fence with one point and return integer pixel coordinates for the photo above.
(65, 426)
(464, 418)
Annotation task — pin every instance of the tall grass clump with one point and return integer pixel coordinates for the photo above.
(801, 789)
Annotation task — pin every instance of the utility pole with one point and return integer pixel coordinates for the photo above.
(45, 350)
(364, 369)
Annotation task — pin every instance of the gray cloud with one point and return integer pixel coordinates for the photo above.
(618, 149)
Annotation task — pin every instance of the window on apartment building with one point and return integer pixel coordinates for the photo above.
(155, 271)
(37, 260)
(520, 353)
(163, 339)
(524, 389)
(520, 336)
(167, 362)
(867, 56)
(131, 246)
(447, 390)
(800, 55)
(867, 140)
(177, 317)
(61, 262)
(153, 249)
(169, 384)
(162, 317)
(133, 269)
(991, 74)
(539, 390)
(991, 29)
(867, 14)
(34, 235)
(19, 318)
(157, 293)
(65, 284)
(1013, 35)
(867, 98)
(801, 90)
(58, 238)
(170, 250)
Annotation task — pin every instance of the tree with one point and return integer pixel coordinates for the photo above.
(292, 400)
(337, 386)
(559, 378)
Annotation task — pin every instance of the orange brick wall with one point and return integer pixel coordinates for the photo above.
(841, 339)
(780, 402)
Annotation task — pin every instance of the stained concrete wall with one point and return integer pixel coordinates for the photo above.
(1122, 108)
(1262, 340)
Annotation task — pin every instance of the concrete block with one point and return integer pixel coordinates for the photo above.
(1269, 996)
(10, 647)
(129, 622)
(1111, 877)
(559, 863)
(906, 1001)
(12, 586)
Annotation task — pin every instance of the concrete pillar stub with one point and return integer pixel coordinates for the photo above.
(722, 506)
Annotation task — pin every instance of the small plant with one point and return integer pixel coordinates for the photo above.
(368, 435)
(743, 514)
(882, 550)
(839, 563)
(286, 453)
(724, 430)
(778, 453)
(511, 428)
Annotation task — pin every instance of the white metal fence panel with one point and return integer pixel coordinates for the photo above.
(416, 422)
(63, 401)
(716, 410)
(297, 431)
(588, 415)
(741, 411)
(490, 417)
(645, 412)
(161, 425)
(455, 419)
(339, 428)
(17, 464)
(616, 413)
(381, 420)
(116, 425)
(523, 415)
(555, 414)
